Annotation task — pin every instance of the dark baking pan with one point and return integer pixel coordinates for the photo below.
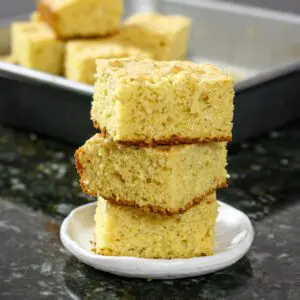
(261, 47)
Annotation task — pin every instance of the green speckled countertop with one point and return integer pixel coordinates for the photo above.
(39, 186)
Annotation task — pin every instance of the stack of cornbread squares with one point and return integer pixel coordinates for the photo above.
(65, 37)
(159, 158)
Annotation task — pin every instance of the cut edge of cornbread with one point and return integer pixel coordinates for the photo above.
(128, 231)
(50, 16)
(90, 185)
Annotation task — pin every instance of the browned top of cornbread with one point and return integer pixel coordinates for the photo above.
(128, 69)
(47, 14)
(157, 209)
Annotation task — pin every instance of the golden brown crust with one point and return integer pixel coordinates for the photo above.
(78, 165)
(89, 37)
(48, 16)
(174, 140)
(161, 210)
(146, 208)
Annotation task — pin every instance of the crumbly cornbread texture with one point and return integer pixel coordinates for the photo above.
(82, 54)
(143, 101)
(128, 231)
(165, 179)
(35, 46)
(82, 18)
(165, 36)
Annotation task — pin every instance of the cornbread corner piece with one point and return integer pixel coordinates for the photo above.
(153, 102)
(166, 36)
(163, 179)
(36, 17)
(128, 231)
(35, 46)
(81, 55)
(82, 18)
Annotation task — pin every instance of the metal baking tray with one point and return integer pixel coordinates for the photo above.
(261, 46)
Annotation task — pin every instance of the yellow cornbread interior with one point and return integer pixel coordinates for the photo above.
(36, 17)
(35, 46)
(165, 36)
(166, 179)
(86, 17)
(127, 231)
(143, 100)
(81, 55)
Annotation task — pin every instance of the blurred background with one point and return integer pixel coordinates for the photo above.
(39, 185)
(11, 8)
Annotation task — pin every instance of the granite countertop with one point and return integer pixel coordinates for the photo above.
(39, 186)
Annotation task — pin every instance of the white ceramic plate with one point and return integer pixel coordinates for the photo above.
(234, 236)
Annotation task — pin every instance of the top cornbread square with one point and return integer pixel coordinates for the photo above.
(82, 18)
(165, 36)
(140, 101)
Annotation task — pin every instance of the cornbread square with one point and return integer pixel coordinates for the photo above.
(82, 54)
(129, 231)
(153, 102)
(165, 36)
(35, 46)
(165, 179)
(82, 18)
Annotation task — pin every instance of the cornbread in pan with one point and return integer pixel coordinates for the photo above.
(35, 46)
(36, 17)
(141, 101)
(128, 231)
(163, 179)
(82, 18)
(165, 36)
(81, 55)
(8, 59)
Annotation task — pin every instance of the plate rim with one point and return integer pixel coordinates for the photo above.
(158, 268)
